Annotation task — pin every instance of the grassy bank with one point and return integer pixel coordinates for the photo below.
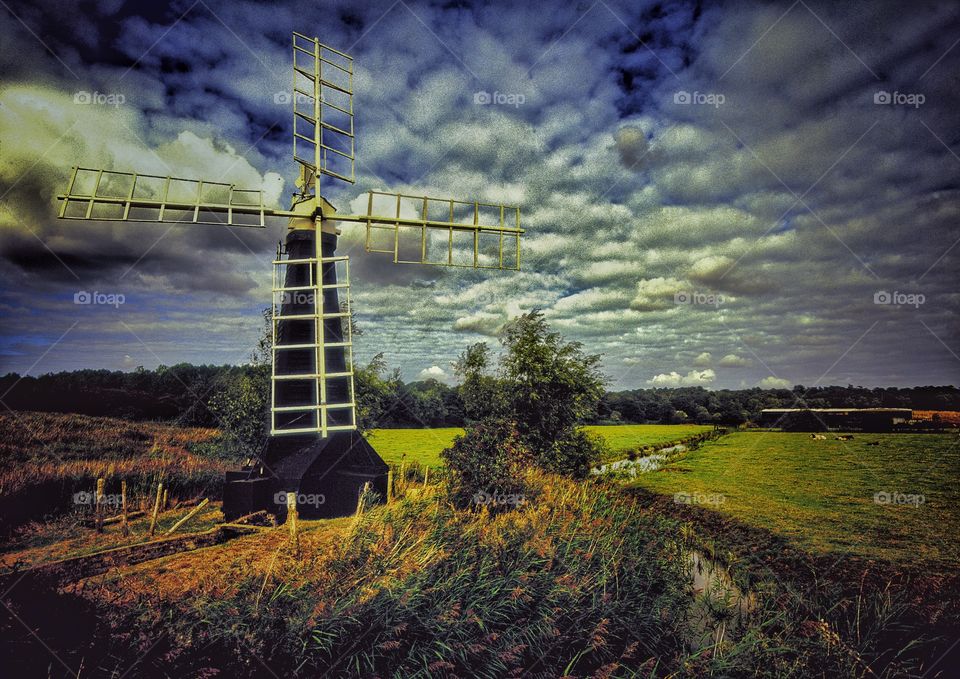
(578, 581)
(859, 497)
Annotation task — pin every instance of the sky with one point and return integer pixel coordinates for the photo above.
(723, 195)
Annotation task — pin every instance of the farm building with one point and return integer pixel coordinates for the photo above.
(847, 419)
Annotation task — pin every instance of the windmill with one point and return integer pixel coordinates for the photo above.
(314, 449)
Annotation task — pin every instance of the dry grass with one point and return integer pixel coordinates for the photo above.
(47, 457)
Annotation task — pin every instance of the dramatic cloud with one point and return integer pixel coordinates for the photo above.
(747, 189)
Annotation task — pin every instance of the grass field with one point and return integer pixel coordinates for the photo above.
(413, 445)
(821, 494)
(624, 437)
(46, 457)
(424, 445)
(420, 588)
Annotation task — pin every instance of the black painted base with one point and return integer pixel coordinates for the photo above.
(326, 473)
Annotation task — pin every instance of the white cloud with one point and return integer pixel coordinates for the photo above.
(704, 360)
(655, 294)
(434, 372)
(772, 382)
(482, 323)
(694, 378)
(734, 361)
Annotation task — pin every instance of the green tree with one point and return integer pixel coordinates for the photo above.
(543, 390)
(242, 409)
(482, 393)
(552, 386)
(374, 393)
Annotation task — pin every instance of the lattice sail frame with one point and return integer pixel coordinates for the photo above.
(109, 196)
(323, 134)
(319, 406)
(471, 234)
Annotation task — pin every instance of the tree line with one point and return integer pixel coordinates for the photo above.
(184, 393)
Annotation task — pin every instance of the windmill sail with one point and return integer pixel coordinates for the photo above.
(323, 137)
(312, 384)
(441, 231)
(107, 195)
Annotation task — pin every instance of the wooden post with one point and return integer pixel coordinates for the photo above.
(426, 476)
(124, 526)
(389, 486)
(193, 513)
(156, 509)
(402, 481)
(98, 508)
(293, 521)
(360, 505)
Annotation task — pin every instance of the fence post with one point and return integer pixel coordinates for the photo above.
(389, 486)
(426, 476)
(156, 509)
(193, 513)
(293, 522)
(361, 499)
(124, 526)
(98, 508)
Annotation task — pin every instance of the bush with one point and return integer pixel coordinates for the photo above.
(574, 454)
(487, 465)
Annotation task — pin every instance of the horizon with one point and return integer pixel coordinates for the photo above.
(454, 383)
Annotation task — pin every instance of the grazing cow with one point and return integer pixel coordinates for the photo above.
(818, 437)
(845, 437)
